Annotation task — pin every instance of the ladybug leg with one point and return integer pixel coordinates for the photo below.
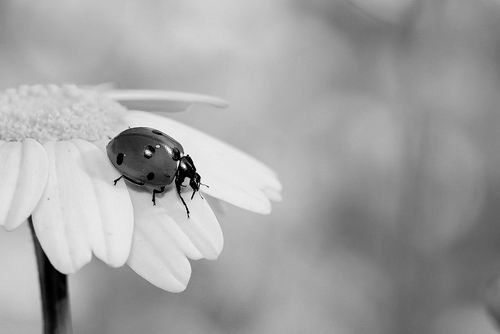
(178, 185)
(156, 191)
(129, 180)
(116, 180)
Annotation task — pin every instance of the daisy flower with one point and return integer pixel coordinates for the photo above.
(56, 173)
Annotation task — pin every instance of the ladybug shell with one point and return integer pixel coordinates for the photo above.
(144, 155)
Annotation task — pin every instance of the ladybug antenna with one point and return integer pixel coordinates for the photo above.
(203, 184)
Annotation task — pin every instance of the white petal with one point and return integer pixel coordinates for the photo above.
(159, 100)
(226, 187)
(158, 246)
(68, 220)
(273, 194)
(111, 235)
(147, 215)
(60, 217)
(160, 264)
(164, 236)
(213, 148)
(231, 174)
(24, 169)
(202, 226)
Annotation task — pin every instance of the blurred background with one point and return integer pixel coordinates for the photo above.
(380, 117)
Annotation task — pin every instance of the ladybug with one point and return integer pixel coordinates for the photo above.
(149, 157)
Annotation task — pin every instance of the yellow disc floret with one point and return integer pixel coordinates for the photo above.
(53, 112)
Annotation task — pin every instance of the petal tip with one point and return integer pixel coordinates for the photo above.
(264, 207)
(213, 256)
(116, 263)
(214, 248)
(273, 194)
(165, 279)
(9, 227)
(180, 288)
(219, 103)
(65, 268)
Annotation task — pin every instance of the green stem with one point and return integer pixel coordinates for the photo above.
(54, 292)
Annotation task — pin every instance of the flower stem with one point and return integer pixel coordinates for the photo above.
(54, 292)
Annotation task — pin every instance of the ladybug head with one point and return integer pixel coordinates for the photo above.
(187, 169)
(195, 183)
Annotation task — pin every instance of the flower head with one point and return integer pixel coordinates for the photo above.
(54, 167)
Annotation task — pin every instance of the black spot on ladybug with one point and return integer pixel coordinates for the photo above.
(156, 132)
(119, 159)
(149, 151)
(150, 176)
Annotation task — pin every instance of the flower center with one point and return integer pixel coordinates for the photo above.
(58, 113)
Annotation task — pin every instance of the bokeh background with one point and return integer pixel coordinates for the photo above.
(380, 117)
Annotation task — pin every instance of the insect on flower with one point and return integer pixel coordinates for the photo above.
(148, 157)
(54, 169)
